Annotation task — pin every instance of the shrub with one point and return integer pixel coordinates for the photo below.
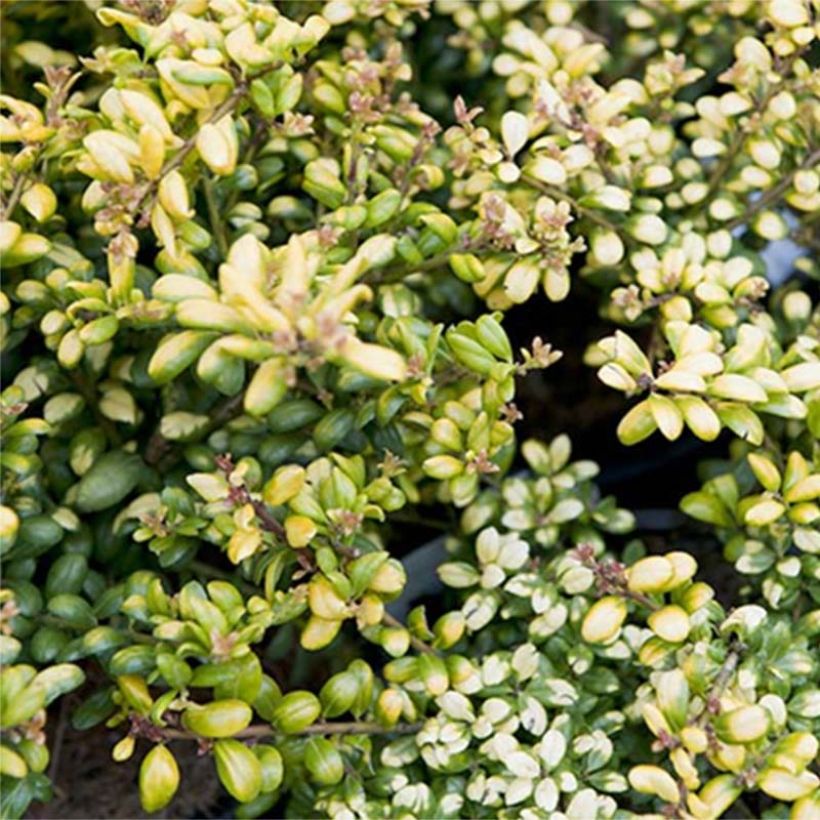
(253, 310)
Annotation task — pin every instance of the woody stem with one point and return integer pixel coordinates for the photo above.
(260, 731)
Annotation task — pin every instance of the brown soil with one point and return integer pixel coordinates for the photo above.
(88, 784)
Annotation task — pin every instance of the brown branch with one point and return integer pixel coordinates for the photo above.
(266, 518)
(723, 166)
(14, 197)
(57, 743)
(610, 577)
(225, 108)
(740, 137)
(60, 84)
(260, 731)
(712, 705)
(397, 273)
(773, 194)
(640, 598)
(589, 34)
(557, 193)
(241, 495)
(158, 446)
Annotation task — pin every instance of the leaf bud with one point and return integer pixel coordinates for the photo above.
(299, 530)
(656, 781)
(785, 786)
(323, 762)
(742, 725)
(603, 621)
(220, 718)
(296, 711)
(449, 629)
(672, 690)
(239, 770)
(123, 749)
(158, 779)
(319, 633)
(270, 762)
(715, 797)
(389, 707)
(218, 146)
(671, 623)
(651, 574)
(40, 201)
(11, 763)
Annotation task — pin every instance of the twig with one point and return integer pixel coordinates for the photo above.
(56, 100)
(557, 193)
(158, 446)
(14, 197)
(657, 345)
(342, 728)
(225, 108)
(188, 146)
(589, 34)
(773, 194)
(728, 668)
(240, 495)
(641, 599)
(740, 137)
(57, 744)
(611, 577)
(266, 518)
(397, 273)
(723, 166)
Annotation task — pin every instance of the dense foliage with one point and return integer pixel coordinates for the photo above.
(256, 264)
